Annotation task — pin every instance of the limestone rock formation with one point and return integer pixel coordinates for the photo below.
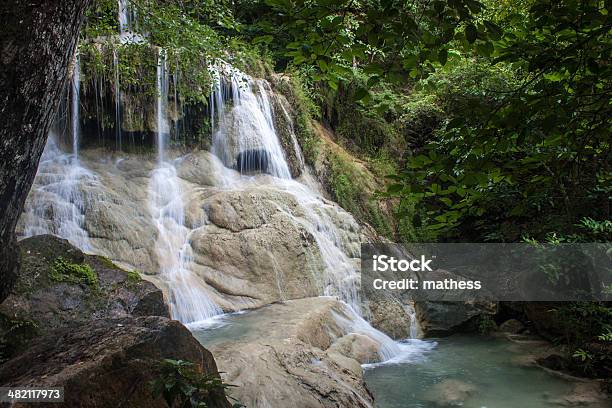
(442, 318)
(297, 354)
(252, 245)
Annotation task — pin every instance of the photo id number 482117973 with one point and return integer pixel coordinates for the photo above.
(31, 394)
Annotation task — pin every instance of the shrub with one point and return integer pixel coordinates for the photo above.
(182, 385)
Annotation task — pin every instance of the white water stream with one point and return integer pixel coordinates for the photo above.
(61, 204)
(188, 297)
(75, 110)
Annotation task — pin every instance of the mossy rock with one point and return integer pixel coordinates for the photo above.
(60, 286)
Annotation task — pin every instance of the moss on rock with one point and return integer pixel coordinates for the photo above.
(59, 286)
(65, 271)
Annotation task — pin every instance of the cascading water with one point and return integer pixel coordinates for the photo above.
(244, 137)
(57, 186)
(188, 297)
(76, 108)
(58, 180)
(245, 128)
(128, 22)
(162, 102)
(125, 17)
(117, 89)
(243, 125)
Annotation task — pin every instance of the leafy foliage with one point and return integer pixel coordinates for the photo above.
(182, 385)
(390, 39)
(535, 144)
(587, 333)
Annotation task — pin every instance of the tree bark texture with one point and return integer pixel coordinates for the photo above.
(37, 42)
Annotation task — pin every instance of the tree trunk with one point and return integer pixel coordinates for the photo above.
(37, 42)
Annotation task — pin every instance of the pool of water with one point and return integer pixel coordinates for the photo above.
(470, 372)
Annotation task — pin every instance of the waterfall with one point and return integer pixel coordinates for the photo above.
(58, 192)
(243, 125)
(125, 22)
(162, 102)
(244, 137)
(415, 330)
(188, 295)
(128, 23)
(76, 107)
(58, 182)
(294, 141)
(117, 100)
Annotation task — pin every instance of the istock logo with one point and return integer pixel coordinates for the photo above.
(384, 263)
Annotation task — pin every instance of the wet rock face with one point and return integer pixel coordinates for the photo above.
(252, 245)
(442, 318)
(390, 317)
(109, 363)
(284, 118)
(297, 355)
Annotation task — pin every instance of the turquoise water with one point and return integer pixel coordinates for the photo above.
(470, 372)
(459, 371)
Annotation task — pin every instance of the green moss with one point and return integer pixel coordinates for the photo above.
(64, 271)
(107, 262)
(15, 334)
(133, 276)
(293, 88)
(379, 220)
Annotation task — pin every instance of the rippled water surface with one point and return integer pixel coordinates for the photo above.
(471, 373)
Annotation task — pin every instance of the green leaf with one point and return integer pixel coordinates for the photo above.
(394, 188)
(443, 56)
(471, 33)
(361, 93)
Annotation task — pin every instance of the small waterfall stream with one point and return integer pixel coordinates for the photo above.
(244, 137)
(76, 107)
(188, 297)
(61, 174)
(117, 89)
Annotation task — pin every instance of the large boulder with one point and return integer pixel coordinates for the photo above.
(80, 322)
(61, 286)
(390, 317)
(108, 363)
(299, 353)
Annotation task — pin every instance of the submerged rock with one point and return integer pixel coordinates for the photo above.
(450, 393)
(512, 326)
(108, 363)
